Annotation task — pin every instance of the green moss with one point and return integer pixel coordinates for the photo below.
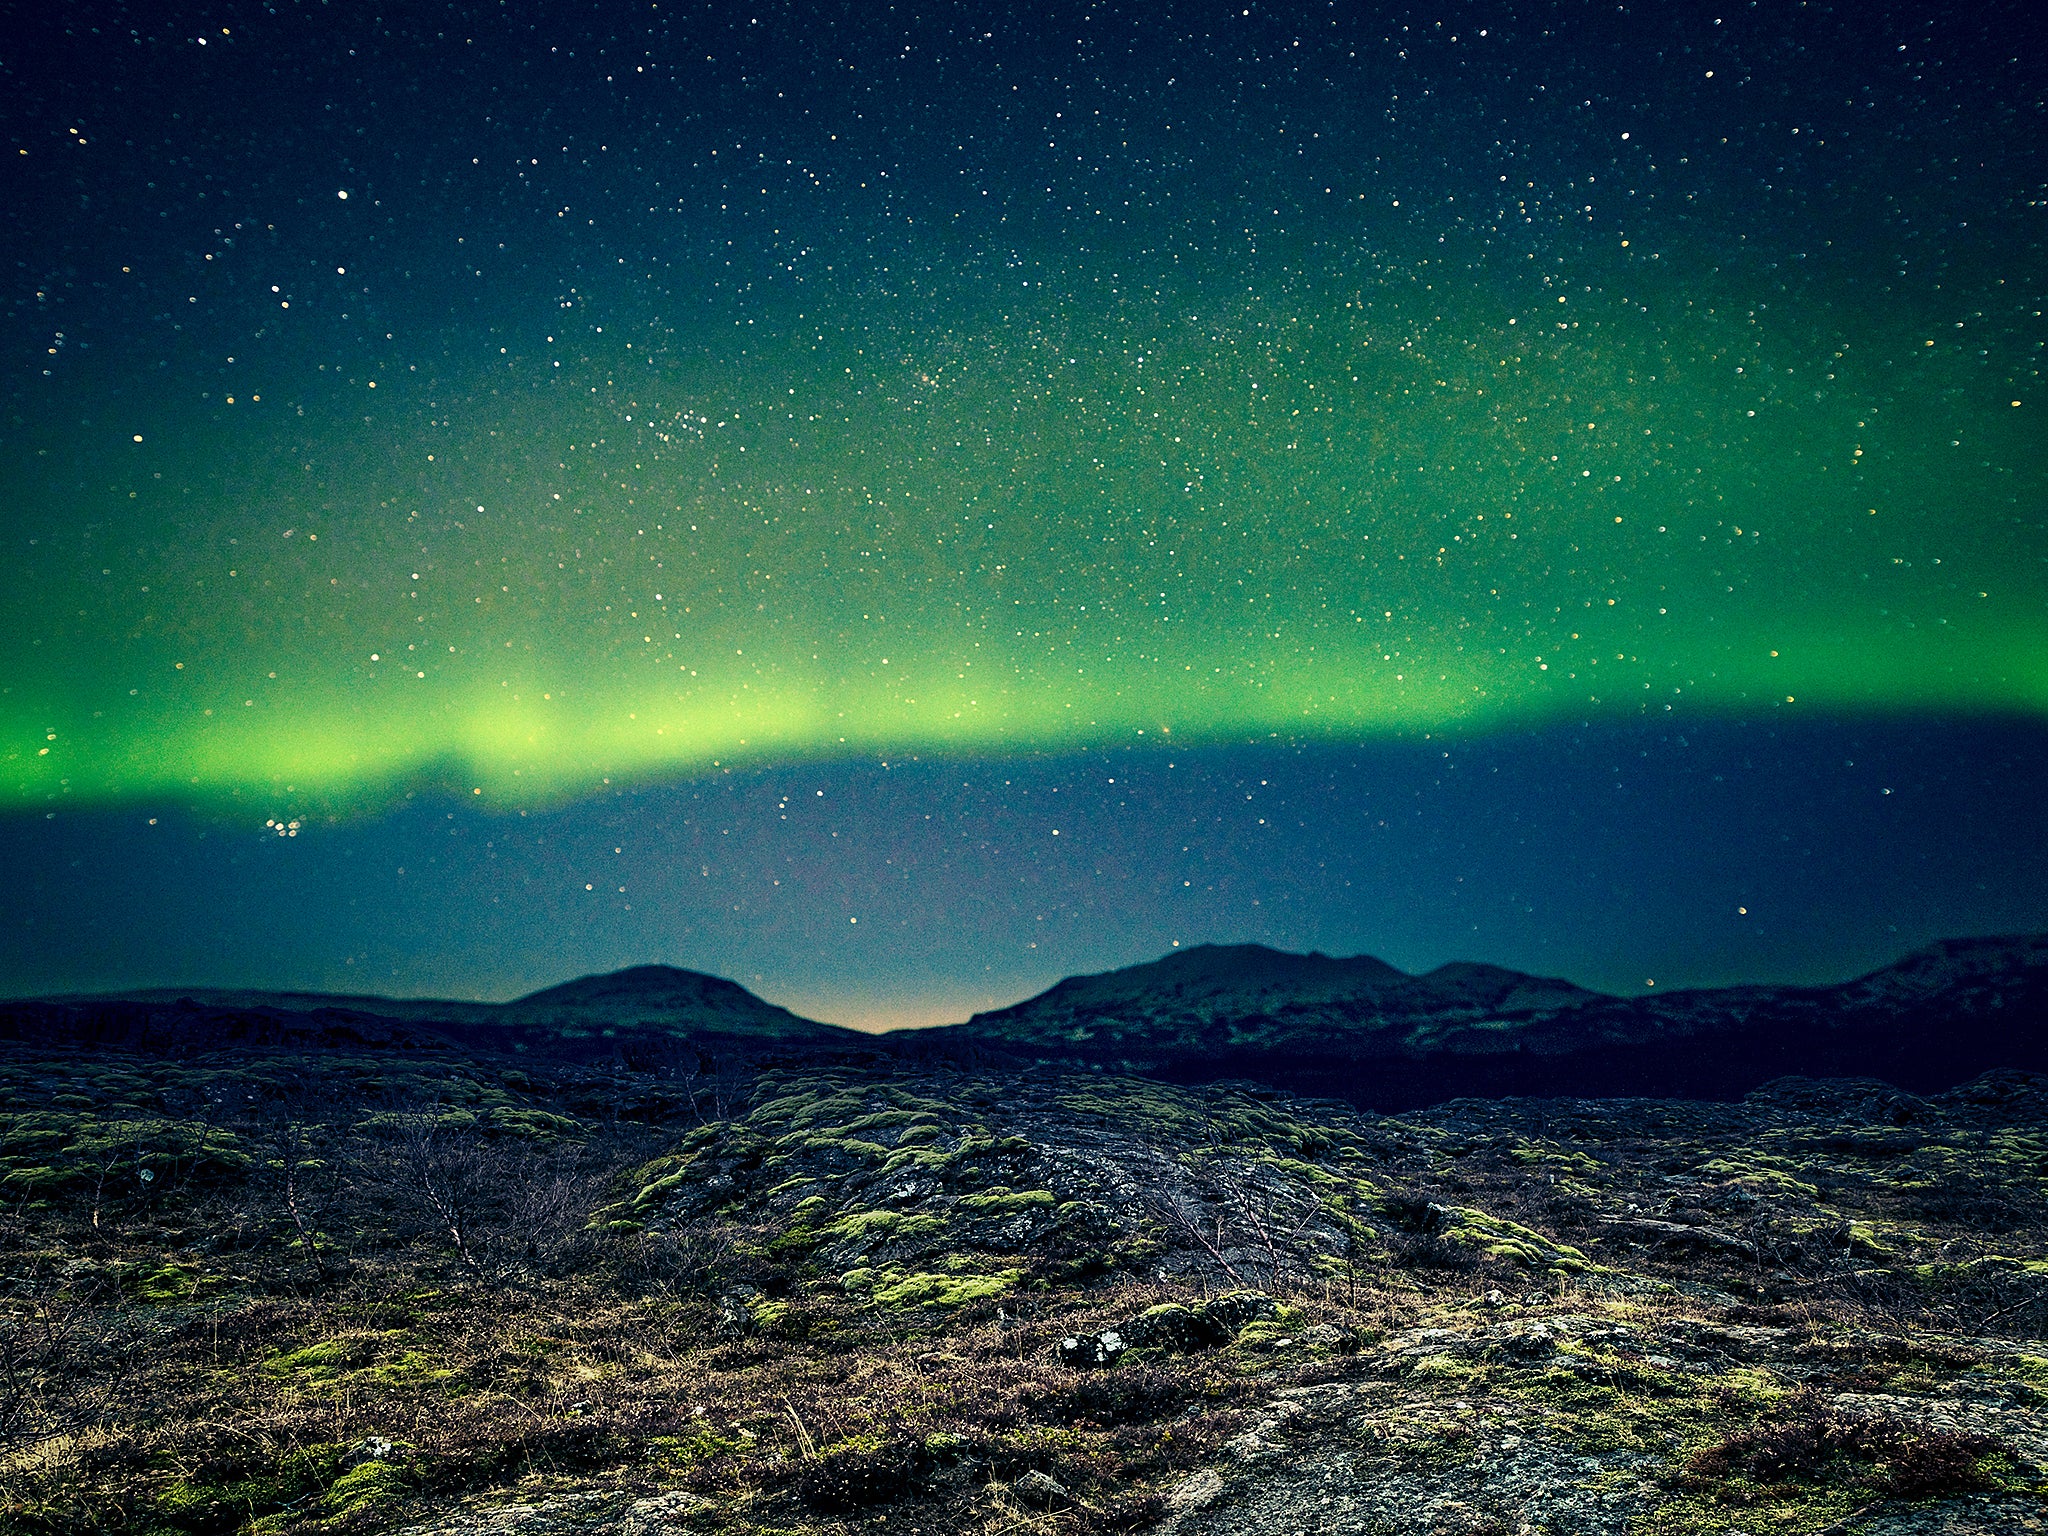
(357, 1358)
(1761, 1173)
(1498, 1238)
(1446, 1367)
(2032, 1369)
(786, 1108)
(536, 1124)
(1693, 1515)
(1267, 1333)
(894, 1288)
(1995, 1264)
(365, 1486)
(1002, 1199)
(658, 1179)
(408, 1365)
(886, 1119)
(1159, 1110)
(947, 1290)
(172, 1282)
(846, 1146)
(918, 1155)
(238, 1499)
(323, 1361)
(1865, 1242)
(705, 1442)
(1309, 1173)
(115, 1157)
(862, 1224)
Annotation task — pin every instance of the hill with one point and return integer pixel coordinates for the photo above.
(1353, 1028)
(1361, 1030)
(647, 1008)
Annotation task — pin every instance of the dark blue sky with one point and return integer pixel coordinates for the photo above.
(910, 891)
(758, 486)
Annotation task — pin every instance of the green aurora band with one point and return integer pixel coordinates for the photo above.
(1411, 495)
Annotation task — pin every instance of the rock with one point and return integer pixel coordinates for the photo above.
(1041, 1491)
(571, 1514)
(1239, 1309)
(1091, 1351)
(1172, 1326)
(1680, 1234)
(735, 1315)
(661, 1514)
(565, 1512)
(1527, 1343)
(1184, 1329)
(1198, 1492)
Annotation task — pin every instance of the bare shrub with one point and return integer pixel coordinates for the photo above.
(495, 1201)
(63, 1355)
(1802, 1441)
(852, 1478)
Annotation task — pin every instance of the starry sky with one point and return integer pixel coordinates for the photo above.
(898, 503)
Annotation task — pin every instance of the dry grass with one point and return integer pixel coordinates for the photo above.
(349, 1291)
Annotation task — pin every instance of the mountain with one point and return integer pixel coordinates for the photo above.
(182, 1026)
(645, 1008)
(1349, 1028)
(1211, 979)
(420, 1010)
(1215, 1002)
(1361, 1030)
(663, 999)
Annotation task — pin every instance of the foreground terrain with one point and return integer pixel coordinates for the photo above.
(334, 1291)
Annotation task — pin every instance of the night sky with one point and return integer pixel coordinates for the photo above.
(896, 504)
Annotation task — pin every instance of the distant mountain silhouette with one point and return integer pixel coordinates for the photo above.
(660, 997)
(648, 1008)
(184, 1026)
(1360, 1029)
(1352, 1028)
(1227, 1000)
(413, 1009)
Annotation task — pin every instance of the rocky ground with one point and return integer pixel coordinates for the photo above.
(339, 1293)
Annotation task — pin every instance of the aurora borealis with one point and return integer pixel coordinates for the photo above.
(523, 405)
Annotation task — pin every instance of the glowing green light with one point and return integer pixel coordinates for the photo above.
(1329, 518)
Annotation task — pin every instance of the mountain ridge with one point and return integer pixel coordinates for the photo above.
(640, 1006)
(1387, 1040)
(1353, 1027)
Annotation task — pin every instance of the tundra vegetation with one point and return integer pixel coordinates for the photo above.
(272, 1293)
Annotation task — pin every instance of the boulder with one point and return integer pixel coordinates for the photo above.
(1041, 1491)
(1091, 1351)
(1172, 1327)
